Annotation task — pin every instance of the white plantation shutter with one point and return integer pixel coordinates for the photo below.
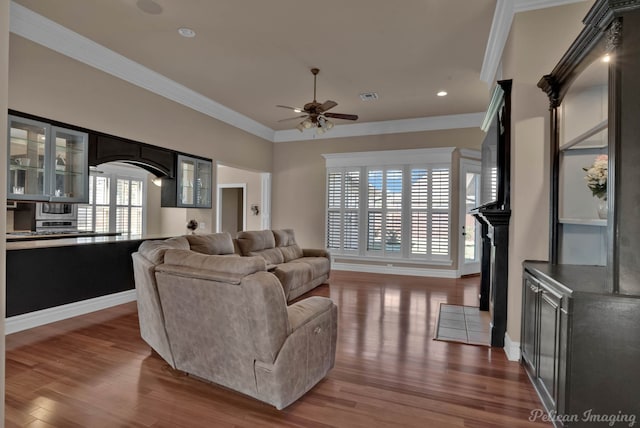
(343, 208)
(390, 212)
(419, 211)
(350, 225)
(333, 230)
(440, 185)
(116, 203)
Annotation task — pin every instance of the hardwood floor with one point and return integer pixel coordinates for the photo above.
(95, 371)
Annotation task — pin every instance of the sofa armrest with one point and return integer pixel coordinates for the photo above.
(304, 311)
(315, 252)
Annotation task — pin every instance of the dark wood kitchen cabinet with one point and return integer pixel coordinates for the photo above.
(580, 337)
(192, 186)
(46, 162)
(107, 148)
(580, 343)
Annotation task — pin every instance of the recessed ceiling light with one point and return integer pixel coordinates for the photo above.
(442, 94)
(297, 110)
(606, 58)
(186, 32)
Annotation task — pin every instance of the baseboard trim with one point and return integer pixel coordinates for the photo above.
(511, 348)
(45, 316)
(396, 270)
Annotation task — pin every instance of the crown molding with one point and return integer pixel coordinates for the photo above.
(500, 28)
(434, 123)
(438, 155)
(45, 32)
(527, 5)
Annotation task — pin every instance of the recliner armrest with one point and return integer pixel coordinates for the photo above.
(306, 310)
(315, 252)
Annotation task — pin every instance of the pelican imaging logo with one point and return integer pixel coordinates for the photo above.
(588, 416)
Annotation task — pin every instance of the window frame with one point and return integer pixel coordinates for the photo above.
(406, 161)
(115, 172)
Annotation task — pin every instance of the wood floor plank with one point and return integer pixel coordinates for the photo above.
(96, 371)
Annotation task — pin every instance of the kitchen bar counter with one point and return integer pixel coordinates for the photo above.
(44, 274)
(28, 244)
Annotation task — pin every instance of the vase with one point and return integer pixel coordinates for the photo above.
(603, 208)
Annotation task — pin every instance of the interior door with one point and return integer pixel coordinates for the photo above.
(469, 242)
(231, 207)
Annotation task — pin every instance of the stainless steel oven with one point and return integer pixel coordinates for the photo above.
(56, 216)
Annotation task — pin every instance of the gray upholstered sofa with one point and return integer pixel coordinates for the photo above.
(225, 319)
(299, 270)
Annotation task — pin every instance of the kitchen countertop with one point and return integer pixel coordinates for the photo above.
(36, 236)
(75, 241)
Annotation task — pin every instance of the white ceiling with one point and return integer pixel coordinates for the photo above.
(250, 55)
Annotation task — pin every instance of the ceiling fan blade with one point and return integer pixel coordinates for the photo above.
(292, 118)
(328, 105)
(342, 116)
(298, 109)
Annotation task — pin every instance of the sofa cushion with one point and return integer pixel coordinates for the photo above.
(255, 240)
(211, 243)
(272, 256)
(293, 275)
(212, 267)
(291, 252)
(284, 237)
(286, 241)
(260, 243)
(154, 250)
(319, 265)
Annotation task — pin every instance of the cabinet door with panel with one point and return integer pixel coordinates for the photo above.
(529, 330)
(69, 167)
(204, 179)
(549, 343)
(27, 159)
(46, 163)
(544, 337)
(191, 186)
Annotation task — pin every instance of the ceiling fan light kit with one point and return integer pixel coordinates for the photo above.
(316, 114)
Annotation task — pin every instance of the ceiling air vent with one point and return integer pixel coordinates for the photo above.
(369, 96)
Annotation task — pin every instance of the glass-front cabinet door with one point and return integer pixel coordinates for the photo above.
(186, 181)
(69, 159)
(27, 158)
(46, 163)
(203, 183)
(194, 182)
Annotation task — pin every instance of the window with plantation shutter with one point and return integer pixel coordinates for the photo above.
(440, 211)
(116, 201)
(382, 209)
(343, 207)
(384, 212)
(419, 211)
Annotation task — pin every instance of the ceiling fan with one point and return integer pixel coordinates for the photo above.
(316, 114)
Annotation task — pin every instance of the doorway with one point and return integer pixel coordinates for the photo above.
(232, 202)
(470, 242)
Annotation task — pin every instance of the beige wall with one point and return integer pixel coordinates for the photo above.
(4, 77)
(537, 41)
(45, 83)
(299, 186)
(253, 182)
(154, 217)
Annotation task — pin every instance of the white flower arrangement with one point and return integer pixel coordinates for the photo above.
(597, 175)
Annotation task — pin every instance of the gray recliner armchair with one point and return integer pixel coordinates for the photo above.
(226, 320)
